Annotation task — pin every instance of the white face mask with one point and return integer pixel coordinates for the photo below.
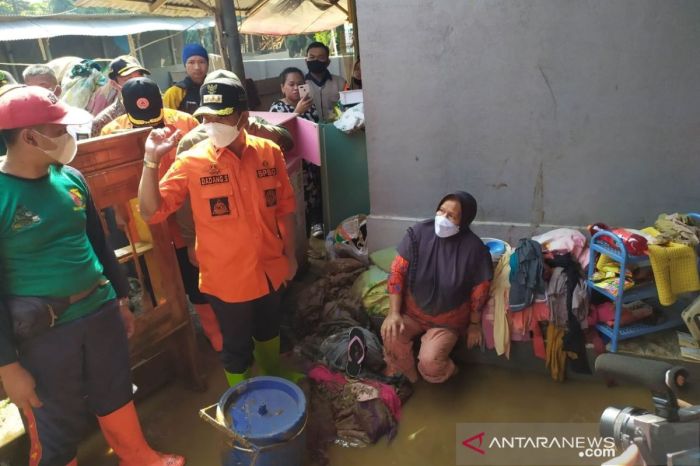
(63, 148)
(221, 135)
(444, 228)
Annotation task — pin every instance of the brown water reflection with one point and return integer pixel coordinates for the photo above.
(484, 394)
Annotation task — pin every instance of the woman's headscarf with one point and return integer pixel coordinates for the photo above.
(443, 271)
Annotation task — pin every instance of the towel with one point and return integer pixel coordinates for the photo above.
(675, 269)
(499, 291)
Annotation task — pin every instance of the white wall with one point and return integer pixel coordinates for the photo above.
(551, 112)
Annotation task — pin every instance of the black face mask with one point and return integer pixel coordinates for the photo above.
(317, 67)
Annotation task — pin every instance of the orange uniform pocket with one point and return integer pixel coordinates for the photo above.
(218, 201)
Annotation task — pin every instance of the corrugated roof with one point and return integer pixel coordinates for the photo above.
(37, 27)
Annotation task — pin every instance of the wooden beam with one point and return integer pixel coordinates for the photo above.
(47, 44)
(335, 4)
(44, 55)
(132, 45)
(156, 5)
(171, 41)
(139, 49)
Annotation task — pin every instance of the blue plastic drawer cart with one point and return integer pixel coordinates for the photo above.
(619, 254)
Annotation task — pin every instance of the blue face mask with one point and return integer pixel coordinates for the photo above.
(444, 228)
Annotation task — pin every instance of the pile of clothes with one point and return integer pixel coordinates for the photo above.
(539, 290)
(546, 285)
(351, 402)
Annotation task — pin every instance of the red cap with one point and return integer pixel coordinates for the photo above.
(26, 106)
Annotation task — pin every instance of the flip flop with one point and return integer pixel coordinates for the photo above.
(356, 352)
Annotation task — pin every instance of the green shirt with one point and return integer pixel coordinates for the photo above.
(44, 248)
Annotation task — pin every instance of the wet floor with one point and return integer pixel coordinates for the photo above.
(484, 394)
(426, 433)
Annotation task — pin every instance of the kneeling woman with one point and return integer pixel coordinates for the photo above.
(438, 285)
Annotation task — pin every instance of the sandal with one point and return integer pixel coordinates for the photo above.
(356, 352)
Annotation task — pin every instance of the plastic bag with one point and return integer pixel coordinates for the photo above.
(351, 120)
(349, 239)
(82, 81)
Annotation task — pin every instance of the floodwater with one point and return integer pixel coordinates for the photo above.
(484, 394)
(426, 433)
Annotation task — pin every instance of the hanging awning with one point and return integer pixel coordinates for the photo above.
(42, 27)
(273, 17)
(176, 8)
(286, 17)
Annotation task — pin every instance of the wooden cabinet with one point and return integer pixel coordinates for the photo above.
(164, 341)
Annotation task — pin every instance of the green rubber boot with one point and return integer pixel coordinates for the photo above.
(267, 355)
(234, 379)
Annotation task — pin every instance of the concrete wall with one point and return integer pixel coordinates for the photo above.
(551, 112)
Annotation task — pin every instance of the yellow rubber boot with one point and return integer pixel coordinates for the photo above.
(267, 356)
(234, 378)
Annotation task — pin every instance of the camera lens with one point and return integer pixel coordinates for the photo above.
(619, 424)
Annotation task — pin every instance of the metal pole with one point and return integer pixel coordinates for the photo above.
(233, 39)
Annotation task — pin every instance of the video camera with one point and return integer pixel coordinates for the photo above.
(668, 437)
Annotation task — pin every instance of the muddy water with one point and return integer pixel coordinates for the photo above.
(484, 394)
(426, 434)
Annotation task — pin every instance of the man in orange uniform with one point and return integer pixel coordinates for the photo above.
(243, 207)
(144, 108)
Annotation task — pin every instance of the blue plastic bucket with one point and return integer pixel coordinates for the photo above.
(497, 247)
(269, 414)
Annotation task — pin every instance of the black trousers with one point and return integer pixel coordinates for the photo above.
(241, 322)
(81, 369)
(190, 277)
